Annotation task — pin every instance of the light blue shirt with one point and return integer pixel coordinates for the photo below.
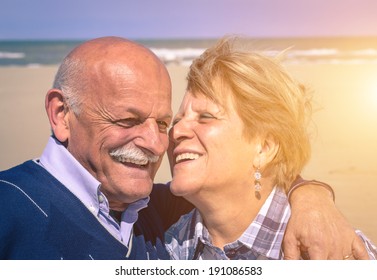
(64, 167)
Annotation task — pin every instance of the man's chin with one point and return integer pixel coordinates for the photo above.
(139, 192)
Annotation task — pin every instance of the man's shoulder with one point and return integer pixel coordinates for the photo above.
(23, 176)
(28, 168)
(14, 177)
(27, 188)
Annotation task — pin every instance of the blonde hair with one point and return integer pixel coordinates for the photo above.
(267, 99)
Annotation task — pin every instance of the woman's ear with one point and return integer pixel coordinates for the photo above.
(267, 150)
(57, 114)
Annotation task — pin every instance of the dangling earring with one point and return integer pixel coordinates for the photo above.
(257, 177)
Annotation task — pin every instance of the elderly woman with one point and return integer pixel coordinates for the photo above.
(240, 140)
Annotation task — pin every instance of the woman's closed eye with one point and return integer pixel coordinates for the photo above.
(206, 116)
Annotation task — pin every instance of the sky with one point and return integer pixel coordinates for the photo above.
(151, 19)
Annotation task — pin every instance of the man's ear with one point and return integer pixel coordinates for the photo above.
(57, 114)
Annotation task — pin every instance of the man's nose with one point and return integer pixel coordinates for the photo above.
(151, 138)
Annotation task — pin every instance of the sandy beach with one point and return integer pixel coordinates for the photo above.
(344, 128)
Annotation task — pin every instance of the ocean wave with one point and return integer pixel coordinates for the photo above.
(178, 55)
(314, 52)
(365, 52)
(12, 55)
(333, 56)
(186, 54)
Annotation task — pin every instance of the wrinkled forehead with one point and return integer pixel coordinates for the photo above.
(116, 74)
(121, 88)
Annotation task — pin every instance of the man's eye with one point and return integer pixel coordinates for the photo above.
(163, 126)
(129, 122)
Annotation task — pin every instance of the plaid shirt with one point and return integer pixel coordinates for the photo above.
(189, 239)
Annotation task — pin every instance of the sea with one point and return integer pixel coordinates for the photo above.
(333, 50)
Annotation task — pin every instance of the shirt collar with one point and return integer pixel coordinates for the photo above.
(263, 238)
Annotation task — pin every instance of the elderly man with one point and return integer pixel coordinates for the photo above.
(86, 197)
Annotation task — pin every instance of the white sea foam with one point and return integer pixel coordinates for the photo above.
(330, 56)
(314, 52)
(12, 55)
(183, 52)
(178, 55)
(185, 56)
(365, 52)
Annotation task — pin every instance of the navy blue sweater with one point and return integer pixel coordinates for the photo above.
(42, 219)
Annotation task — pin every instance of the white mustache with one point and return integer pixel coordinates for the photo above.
(132, 155)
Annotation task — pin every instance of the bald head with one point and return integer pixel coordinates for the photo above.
(111, 49)
(87, 63)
